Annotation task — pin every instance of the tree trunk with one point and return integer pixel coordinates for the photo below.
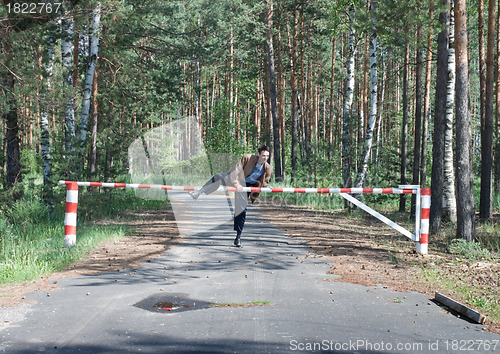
(294, 99)
(418, 117)
(231, 74)
(10, 116)
(482, 69)
(485, 209)
(465, 197)
(45, 126)
(268, 122)
(497, 108)
(332, 123)
(89, 77)
(348, 98)
(404, 127)
(280, 82)
(258, 107)
(437, 175)
(427, 104)
(93, 137)
(380, 114)
(12, 135)
(363, 101)
(9, 113)
(67, 47)
(303, 99)
(450, 201)
(272, 90)
(363, 166)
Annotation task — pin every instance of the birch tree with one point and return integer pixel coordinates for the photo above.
(89, 76)
(67, 48)
(363, 166)
(450, 201)
(44, 121)
(465, 186)
(348, 99)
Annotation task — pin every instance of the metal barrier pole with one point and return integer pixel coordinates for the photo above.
(422, 245)
(70, 214)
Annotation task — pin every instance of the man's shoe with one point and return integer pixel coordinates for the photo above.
(194, 194)
(237, 241)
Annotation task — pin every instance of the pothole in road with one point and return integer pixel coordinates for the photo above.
(168, 303)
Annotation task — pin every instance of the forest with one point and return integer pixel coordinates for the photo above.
(348, 93)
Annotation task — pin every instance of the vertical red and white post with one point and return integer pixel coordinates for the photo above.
(70, 209)
(423, 243)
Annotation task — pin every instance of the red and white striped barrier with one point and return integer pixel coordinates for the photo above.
(421, 235)
(70, 211)
(423, 243)
(252, 189)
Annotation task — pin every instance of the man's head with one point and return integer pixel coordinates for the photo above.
(263, 154)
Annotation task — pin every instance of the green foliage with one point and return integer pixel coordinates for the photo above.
(220, 138)
(472, 251)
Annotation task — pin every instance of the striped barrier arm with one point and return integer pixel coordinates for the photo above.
(251, 189)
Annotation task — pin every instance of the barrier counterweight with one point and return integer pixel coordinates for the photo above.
(421, 235)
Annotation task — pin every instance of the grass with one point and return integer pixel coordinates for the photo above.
(31, 236)
(480, 297)
(237, 304)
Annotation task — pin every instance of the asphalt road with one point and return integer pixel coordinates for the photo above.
(121, 312)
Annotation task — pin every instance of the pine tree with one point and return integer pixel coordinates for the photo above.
(465, 197)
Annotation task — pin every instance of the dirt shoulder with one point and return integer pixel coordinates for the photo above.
(362, 249)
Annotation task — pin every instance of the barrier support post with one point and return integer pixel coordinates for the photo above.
(70, 210)
(423, 243)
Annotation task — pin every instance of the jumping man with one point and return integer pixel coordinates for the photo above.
(249, 171)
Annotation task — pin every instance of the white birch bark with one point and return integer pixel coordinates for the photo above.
(379, 121)
(44, 120)
(348, 98)
(449, 197)
(89, 76)
(67, 48)
(363, 166)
